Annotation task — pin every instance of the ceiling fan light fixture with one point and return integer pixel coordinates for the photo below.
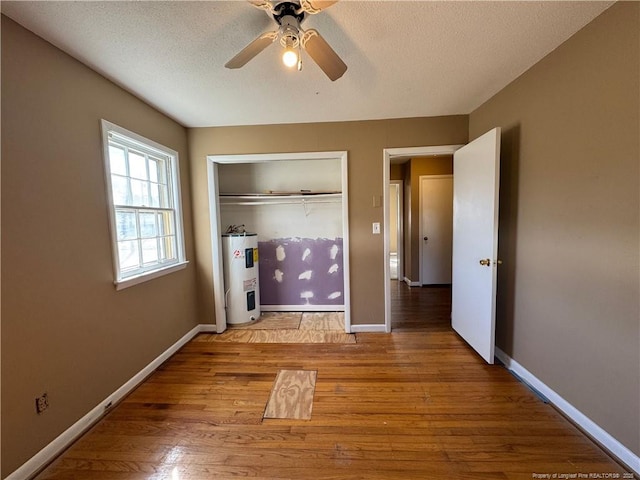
(290, 57)
(290, 41)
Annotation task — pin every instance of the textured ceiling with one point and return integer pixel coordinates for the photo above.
(405, 59)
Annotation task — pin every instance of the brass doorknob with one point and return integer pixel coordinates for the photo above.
(485, 262)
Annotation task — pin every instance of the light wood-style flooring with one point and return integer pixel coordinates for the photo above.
(414, 404)
(287, 327)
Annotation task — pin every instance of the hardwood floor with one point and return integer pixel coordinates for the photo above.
(425, 309)
(415, 404)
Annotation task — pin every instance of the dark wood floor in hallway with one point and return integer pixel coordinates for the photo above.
(426, 309)
(414, 404)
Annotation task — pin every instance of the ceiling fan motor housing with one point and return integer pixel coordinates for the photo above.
(288, 9)
(289, 15)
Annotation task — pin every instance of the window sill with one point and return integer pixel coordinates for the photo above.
(131, 281)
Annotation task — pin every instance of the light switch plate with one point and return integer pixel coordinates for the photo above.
(376, 228)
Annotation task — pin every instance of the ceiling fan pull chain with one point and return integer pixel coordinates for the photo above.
(299, 57)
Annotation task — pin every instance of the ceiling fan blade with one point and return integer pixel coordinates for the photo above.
(251, 50)
(316, 6)
(321, 53)
(262, 4)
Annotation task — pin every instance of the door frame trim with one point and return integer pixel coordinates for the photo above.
(387, 155)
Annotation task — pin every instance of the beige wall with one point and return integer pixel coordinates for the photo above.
(397, 171)
(65, 329)
(364, 142)
(569, 232)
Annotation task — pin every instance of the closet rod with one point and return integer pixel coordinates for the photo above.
(282, 202)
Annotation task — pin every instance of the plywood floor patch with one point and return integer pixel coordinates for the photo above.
(292, 395)
(279, 336)
(287, 327)
(322, 321)
(273, 321)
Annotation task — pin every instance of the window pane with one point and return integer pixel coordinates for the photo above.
(149, 251)
(117, 162)
(129, 255)
(162, 171)
(165, 223)
(147, 224)
(119, 189)
(168, 248)
(164, 198)
(126, 225)
(155, 194)
(140, 193)
(137, 165)
(153, 169)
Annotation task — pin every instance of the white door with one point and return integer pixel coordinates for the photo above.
(436, 228)
(476, 169)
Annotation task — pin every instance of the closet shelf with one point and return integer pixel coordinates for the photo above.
(278, 198)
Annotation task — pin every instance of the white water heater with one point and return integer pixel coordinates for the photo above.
(241, 279)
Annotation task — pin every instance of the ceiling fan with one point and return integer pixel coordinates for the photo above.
(289, 15)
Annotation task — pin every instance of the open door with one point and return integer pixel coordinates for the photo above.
(476, 169)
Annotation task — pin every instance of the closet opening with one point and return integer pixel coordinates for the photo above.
(296, 204)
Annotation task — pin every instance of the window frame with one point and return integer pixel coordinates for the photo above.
(149, 147)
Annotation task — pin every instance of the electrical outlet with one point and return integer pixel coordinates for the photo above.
(42, 403)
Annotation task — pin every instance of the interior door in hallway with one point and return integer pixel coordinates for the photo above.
(476, 167)
(436, 228)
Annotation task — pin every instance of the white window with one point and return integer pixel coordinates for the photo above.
(144, 205)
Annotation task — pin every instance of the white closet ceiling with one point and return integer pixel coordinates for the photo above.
(405, 59)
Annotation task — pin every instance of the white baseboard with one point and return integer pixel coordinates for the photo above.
(302, 308)
(62, 441)
(375, 328)
(412, 284)
(613, 446)
(207, 328)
